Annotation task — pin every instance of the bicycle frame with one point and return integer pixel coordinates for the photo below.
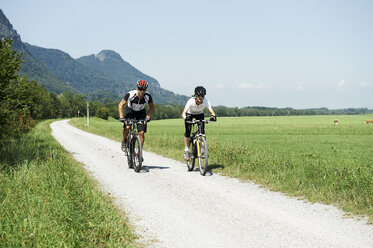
(197, 133)
(133, 129)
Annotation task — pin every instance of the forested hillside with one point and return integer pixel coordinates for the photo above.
(35, 70)
(86, 80)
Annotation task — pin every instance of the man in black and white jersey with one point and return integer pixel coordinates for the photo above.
(194, 109)
(136, 100)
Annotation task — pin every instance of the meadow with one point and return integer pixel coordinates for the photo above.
(304, 156)
(47, 199)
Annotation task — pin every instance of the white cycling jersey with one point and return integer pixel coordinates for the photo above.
(134, 102)
(195, 109)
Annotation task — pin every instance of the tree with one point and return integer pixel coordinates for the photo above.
(10, 61)
(103, 113)
(79, 104)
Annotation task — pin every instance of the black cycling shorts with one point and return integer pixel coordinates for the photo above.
(137, 115)
(188, 127)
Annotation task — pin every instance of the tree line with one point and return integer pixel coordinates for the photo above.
(171, 111)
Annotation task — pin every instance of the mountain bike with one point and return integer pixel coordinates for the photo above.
(199, 147)
(134, 148)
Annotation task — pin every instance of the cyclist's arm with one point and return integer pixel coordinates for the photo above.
(212, 111)
(184, 113)
(151, 110)
(120, 108)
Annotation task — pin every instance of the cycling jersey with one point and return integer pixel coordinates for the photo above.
(195, 109)
(134, 102)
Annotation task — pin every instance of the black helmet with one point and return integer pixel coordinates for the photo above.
(200, 91)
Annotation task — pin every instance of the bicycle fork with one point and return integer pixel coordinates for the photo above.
(198, 150)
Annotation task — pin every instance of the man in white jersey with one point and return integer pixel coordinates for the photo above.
(194, 109)
(136, 100)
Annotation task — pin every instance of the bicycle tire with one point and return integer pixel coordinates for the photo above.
(191, 161)
(203, 158)
(128, 154)
(136, 154)
(129, 161)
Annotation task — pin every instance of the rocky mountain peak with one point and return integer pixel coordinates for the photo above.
(7, 31)
(110, 55)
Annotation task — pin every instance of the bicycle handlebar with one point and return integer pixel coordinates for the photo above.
(198, 121)
(132, 121)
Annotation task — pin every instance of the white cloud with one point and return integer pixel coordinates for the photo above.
(262, 86)
(365, 84)
(219, 86)
(341, 84)
(300, 88)
(246, 86)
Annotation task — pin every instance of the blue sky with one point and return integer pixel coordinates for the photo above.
(299, 54)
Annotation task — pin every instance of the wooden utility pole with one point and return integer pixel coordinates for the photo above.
(87, 113)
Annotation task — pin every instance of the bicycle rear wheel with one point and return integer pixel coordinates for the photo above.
(136, 154)
(203, 156)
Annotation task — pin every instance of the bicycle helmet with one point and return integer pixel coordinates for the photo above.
(200, 91)
(142, 84)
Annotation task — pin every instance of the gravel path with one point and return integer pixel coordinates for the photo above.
(170, 207)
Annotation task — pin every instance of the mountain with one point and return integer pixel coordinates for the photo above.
(31, 67)
(85, 79)
(111, 64)
(96, 77)
(7, 31)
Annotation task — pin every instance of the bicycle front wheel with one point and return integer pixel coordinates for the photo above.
(202, 155)
(192, 158)
(128, 154)
(136, 154)
(129, 161)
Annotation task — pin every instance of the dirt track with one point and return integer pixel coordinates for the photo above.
(171, 207)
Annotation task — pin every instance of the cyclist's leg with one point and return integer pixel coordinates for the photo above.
(126, 128)
(186, 142)
(187, 136)
(188, 129)
(141, 128)
(142, 137)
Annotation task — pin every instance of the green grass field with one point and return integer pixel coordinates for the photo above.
(47, 199)
(305, 156)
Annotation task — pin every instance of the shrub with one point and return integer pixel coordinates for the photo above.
(103, 113)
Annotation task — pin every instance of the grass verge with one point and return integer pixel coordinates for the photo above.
(48, 200)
